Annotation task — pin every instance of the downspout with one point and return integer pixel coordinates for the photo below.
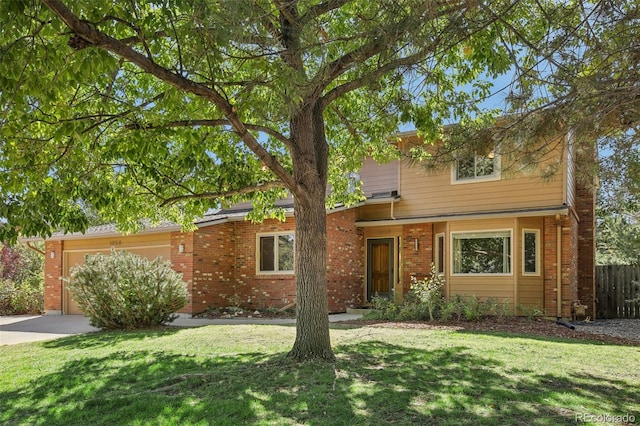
(558, 267)
(393, 202)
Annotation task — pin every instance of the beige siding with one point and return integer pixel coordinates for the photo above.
(117, 242)
(379, 177)
(431, 195)
(376, 211)
(570, 174)
(500, 288)
(435, 193)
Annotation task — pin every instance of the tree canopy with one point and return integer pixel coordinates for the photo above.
(165, 109)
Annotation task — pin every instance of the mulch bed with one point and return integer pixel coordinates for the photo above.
(521, 326)
(230, 312)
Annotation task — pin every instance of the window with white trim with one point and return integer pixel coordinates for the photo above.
(530, 252)
(482, 252)
(439, 253)
(275, 253)
(476, 167)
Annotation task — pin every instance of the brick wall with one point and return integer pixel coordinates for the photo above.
(182, 262)
(259, 291)
(345, 261)
(416, 262)
(53, 278)
(213, 266)
(224, 265)
(218, 264)
(585, 208)
(569, 264)
(206, 265)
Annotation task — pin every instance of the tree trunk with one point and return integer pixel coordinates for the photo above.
(312, 324)
(310, 155)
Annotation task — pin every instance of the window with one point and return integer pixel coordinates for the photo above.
(530, 255)
(481, 252)
(275, 253)
(440, 253)
(476, 167)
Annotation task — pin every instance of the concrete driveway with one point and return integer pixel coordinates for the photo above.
(23, 328)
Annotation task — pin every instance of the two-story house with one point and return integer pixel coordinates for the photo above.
(511, 236)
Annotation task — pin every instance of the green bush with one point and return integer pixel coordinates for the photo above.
(383, 309)
(26, 298)
(452, 309)
(428, 291)
(21, 281)
(126, 291)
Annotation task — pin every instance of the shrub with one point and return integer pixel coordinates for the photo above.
(530, 312)
(452, 309)
(428, 290)
(21, 281)
(126, 291)
(383, 309)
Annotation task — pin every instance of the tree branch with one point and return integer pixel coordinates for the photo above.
(379, 43)
(95, 37)
(242, 191)
(211, 123)
(320, 9)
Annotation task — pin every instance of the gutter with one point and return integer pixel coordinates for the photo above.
(551, 211)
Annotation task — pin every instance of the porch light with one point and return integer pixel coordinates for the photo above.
(53, 254)
(416, 244)
(181, 248)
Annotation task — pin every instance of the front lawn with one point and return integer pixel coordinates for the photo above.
(230, 375)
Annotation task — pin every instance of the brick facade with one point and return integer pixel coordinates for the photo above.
(182, 262)
(345, 261)
(568, 266)
(53, 277)
(416, 260)
(585, 208)
(219, 265)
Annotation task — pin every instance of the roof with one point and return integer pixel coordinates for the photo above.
(213, 218)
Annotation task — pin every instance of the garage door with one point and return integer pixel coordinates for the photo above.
(72, 258)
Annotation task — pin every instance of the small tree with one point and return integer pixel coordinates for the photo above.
(428, 290)
(126, 291)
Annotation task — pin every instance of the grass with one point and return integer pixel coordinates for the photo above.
(231, 375)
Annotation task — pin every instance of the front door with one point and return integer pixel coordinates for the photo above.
(380, 268)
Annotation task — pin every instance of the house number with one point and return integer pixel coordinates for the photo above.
(115, 243)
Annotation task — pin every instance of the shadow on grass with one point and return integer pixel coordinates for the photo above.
(371, 383)
(97, 339)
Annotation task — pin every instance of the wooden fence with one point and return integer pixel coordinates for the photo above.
(618, 290)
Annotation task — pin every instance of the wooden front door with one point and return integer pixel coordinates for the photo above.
(380, 268)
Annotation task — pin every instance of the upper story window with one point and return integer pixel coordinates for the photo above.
(275, 253)
(470, 168)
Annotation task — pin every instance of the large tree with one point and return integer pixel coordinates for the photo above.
(164, 109)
